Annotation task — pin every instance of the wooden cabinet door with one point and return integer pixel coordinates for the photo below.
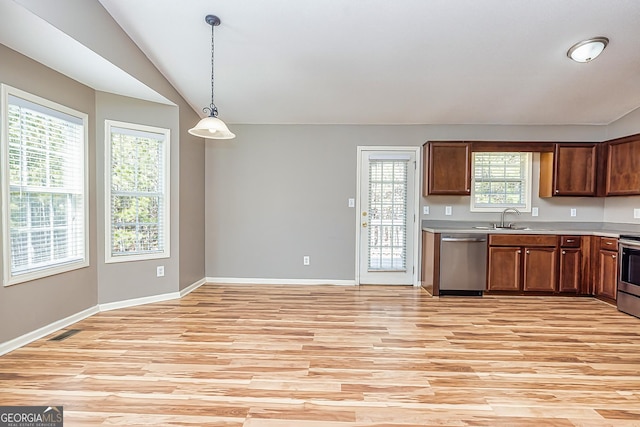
(574, 171)
(623, 167)
(504, 268)
(540, 269)
(569, 279)
(448, 168)
(607, 283)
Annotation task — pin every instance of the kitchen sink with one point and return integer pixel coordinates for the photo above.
(494, 227)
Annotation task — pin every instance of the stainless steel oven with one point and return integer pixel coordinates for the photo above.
(628, 298)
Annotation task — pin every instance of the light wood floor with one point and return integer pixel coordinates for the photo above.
(331, 356)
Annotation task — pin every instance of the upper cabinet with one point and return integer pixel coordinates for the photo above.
(570, 170)
(581, 169)
(448, 168)
(622, 163)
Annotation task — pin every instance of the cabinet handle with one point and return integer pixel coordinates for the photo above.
(570, 240)
(613, 256)
(609, 243)
(564, 252)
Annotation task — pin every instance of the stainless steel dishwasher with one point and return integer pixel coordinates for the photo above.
(463, 264)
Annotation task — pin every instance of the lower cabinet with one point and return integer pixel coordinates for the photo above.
(529, 268)
(504, 268)
(570, 277)
(607, 279)
(570, 261)
(540, 269)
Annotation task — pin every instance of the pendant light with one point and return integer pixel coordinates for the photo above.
(587, 50)
(212, 127)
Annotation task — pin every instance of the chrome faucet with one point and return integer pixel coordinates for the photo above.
(503, 214)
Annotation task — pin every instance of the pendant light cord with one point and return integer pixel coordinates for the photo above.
(212, 110)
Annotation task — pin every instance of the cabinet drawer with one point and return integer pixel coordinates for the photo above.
(522, 240)
(609, 243)
(570, 241)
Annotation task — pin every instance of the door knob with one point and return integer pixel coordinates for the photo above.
(364, 224)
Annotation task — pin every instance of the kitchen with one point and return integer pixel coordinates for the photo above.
(530, 256)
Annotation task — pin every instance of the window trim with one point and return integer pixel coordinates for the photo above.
(528, 195)
(166, 223)
(10, 279)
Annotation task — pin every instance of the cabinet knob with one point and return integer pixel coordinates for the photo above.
(527, 251)
(564, 252)
(613, 256)
(557, 191)
(519, 251)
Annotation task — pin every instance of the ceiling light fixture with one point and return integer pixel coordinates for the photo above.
(212, 127)
(587, 50)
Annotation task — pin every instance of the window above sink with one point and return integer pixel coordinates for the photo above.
(501, 180)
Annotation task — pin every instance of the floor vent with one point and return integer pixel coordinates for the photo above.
(65, 335)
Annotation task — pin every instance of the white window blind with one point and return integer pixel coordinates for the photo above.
(501, 180)
(137, 192)
(387, 214)
(44, 187)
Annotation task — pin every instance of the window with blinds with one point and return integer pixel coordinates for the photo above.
(387, 214)
(44, 187)
(137, 192)
(501, 180)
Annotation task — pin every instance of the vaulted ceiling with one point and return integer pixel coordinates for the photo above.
(394, 62)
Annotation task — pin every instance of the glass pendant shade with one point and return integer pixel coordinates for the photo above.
(212, 128)
(588, 50)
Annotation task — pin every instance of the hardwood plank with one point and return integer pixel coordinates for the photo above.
(330, 356)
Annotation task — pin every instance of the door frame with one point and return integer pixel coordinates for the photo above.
(415, 238)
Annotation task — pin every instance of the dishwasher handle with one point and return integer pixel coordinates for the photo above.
(463, 239)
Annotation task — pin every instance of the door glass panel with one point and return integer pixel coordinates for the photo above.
(387, 215)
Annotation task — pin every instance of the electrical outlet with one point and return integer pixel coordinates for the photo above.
(636, 213)
(534, 211)
(305, 260)
(425, 210)
(351, 203)
(160, 271)
(573, 212)
(447, 210)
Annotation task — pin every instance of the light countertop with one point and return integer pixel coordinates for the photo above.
(538, 227)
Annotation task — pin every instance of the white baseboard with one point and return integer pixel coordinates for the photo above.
(28, 338)
(258, 281)
(138, 301)
(192, 287)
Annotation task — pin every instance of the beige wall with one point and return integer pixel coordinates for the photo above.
(279, 192)
(28, 306)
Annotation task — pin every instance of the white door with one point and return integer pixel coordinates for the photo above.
(387, 217)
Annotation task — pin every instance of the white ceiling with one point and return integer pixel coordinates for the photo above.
(394, 62)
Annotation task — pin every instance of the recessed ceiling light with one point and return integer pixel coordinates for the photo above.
(587, 50)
